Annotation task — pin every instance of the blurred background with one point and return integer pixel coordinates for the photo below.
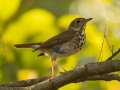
(23, 21)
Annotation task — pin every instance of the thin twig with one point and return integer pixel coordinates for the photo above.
(114, 54)
(101, 50)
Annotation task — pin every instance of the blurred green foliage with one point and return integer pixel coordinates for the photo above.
(23, 21)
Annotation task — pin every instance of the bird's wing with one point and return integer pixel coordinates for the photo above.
(58, 39)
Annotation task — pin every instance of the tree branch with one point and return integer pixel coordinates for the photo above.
(105, 77)
(88, 72)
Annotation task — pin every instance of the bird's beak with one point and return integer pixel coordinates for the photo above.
(88, 19)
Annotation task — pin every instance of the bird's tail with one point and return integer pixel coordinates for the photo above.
(28, 45)
(34, 46)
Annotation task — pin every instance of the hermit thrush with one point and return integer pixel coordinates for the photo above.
(63, 44)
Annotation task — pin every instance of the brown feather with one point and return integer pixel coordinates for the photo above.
(59, 39)
(26, 45)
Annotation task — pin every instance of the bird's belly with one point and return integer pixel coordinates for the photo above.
(70, 49)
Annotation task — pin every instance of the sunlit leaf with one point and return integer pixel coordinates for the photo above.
(31, 23)
(8, 8)
(26, 74)
(36, 20)
(112, 85)
(70, 62)
(75, 86)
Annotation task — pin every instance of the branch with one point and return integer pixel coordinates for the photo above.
(90, 71)
(105, 77)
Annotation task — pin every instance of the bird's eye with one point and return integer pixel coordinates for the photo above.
(78, 21)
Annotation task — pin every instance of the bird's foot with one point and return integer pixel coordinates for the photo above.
(51, 78)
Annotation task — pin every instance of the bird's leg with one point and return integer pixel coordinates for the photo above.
(53, 63)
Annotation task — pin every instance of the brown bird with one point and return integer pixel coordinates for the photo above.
(63, 44)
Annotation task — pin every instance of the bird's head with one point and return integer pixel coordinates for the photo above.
(79, 23)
